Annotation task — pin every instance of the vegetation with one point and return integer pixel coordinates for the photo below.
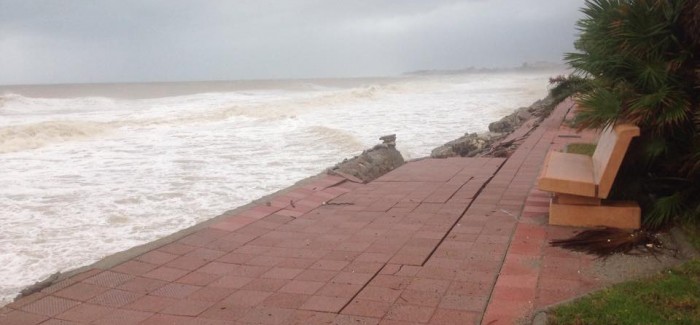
(671, 297)
(581, 148)
(638, 61)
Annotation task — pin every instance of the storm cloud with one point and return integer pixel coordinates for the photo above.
(80, 41)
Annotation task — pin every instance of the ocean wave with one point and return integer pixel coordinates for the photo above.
(336, 137)
(36, 135)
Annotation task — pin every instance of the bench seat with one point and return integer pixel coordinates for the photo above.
(568, 173)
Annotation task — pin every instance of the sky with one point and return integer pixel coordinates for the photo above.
(89, 41)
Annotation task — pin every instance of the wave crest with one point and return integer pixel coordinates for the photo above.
(36, 135)
(337, 137)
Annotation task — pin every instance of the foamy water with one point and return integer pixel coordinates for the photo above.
(87, 177)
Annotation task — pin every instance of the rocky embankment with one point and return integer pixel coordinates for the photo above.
(495, 142)
(500, 141)
(372, 163)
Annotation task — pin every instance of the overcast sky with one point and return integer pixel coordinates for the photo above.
(72, 41)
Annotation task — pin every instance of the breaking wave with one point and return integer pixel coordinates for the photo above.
(337, 138)
(32, 136)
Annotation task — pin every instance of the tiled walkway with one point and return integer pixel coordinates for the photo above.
(440, 241)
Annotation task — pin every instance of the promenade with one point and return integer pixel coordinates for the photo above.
(436, 241)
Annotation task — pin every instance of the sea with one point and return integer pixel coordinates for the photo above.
(89, 170)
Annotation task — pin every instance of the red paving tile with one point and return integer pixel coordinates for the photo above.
(80, 291)
(122, 316)
(115, 298)
(325, 304)
(85, 313)
(424, 243)
(13, 317)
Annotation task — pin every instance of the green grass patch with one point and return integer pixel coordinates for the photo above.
(671, 297)
(581, 148)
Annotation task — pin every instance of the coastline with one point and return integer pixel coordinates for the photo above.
(381, 157)
(125, 255)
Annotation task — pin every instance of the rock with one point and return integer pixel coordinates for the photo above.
(500, 153)
(502, 126)
(444, 151)
(541, 107)
(487, 144)
(389, 139)
(372, 163)
(523, 114)
(468, 145)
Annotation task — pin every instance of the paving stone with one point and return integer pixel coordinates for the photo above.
(420, 297)
(199, 278)
(151, 303)
(282, 273)
(268, 315)
(142, 285)
(454, 317)
(247, 298)
(402, 312)
(325, 304)
(156, 257)
(85, 313)
(175, 290)
(367, 308)
(302, 287)
(316, 275)
(346, 290)
(80, 291)
(15, 317)
(134, 267)
(115, 298)
(231, 281)
(285, 300)
(188, 307)
(264, 284)
(109, 279)
(165, 273)
(352, 278)
(50, 306)
(379, 294)
(123, 316)
(213, 294)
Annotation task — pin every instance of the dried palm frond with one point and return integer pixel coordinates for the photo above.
(607, 241)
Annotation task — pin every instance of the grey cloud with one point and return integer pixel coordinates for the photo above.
(168, 40)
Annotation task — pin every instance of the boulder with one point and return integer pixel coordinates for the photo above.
(504, 125)
(471, 145)
(372, 163)
(466, 146)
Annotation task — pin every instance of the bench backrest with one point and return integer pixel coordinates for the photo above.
(608, 155)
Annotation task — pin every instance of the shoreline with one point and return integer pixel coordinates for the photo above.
(128, 254)
(383, 155)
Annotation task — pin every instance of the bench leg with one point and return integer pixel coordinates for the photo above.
(625, 215)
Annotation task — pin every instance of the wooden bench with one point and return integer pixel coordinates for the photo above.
(580, 183)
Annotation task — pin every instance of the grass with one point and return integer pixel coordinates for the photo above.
(670, 297)
(581, 148)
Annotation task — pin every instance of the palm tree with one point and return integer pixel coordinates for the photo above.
(640, 58)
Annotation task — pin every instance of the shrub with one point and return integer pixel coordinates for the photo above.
(639, 59)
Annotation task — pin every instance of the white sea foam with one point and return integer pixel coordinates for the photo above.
(90, 176)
